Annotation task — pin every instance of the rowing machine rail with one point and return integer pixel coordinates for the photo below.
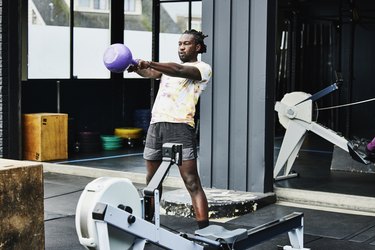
(214, 236)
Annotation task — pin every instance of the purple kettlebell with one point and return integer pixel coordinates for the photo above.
(117, 58)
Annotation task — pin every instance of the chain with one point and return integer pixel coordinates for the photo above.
(348, 104)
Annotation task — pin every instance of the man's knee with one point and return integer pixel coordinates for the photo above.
(192, 184)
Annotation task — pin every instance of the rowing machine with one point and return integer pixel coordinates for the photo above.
(112, 214)
(295, 114)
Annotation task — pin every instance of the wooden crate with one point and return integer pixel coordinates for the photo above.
(45, 136)
(22, 205)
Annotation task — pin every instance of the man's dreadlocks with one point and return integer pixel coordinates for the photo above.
(198, 37)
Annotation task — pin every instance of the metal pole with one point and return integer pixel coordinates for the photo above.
(58, 95)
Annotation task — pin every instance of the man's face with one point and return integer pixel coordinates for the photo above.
(187, 48)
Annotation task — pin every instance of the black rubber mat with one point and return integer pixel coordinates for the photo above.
(60, 206)
(317, 223)
(60, 234)
(323, 230)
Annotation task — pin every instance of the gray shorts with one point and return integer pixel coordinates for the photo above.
(163, 132)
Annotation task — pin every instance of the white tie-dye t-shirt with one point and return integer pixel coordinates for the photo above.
(177, 97)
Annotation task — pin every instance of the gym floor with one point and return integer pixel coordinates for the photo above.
(323, 230)
(314, 168)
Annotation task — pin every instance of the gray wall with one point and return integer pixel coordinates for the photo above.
(233, 107)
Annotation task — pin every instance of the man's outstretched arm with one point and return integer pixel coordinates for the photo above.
(143, 70)
(155, 69)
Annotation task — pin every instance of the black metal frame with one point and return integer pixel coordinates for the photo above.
(270, 96)
(11, 77)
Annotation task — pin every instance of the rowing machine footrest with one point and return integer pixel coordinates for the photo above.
(216, 232)
(356, 154)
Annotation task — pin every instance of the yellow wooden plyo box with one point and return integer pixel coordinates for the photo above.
(45, 136)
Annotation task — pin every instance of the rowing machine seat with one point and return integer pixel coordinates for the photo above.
(216, 232)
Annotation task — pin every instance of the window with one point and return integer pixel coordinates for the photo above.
(92, 5)
(138, 30)
(196, 15)
(174, 19)
(58, 51)
(48, 42)
(83, 4)
(129, 6)
(91, 37)
(133, 7)
(49, 49)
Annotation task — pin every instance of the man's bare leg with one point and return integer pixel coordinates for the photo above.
(189, 174)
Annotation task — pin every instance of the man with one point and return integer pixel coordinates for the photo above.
(173, 113)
